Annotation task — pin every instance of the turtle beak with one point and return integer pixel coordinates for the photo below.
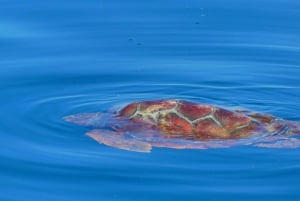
(84, 119)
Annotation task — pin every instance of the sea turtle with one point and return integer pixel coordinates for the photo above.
(180, 124)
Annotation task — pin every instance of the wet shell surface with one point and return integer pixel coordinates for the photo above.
(191, 120)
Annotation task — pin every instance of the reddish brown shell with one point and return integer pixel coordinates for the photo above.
(191, 120)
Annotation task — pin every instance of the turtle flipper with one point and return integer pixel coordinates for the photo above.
(294, 127)
(279, 142)
(119, 141)
(84, 119)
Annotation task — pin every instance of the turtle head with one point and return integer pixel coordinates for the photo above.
(95, 120)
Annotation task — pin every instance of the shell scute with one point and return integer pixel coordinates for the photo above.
(263, 118)
(209, 129)
(193, 111)
(174, 125)
(246, 131)
(231, 120)
(154, 106)
(129, 110)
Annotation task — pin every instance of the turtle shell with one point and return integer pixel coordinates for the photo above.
(184, 119)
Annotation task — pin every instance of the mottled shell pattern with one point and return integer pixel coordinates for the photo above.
(190, 120)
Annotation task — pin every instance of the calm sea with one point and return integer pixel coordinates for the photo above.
(64, 57)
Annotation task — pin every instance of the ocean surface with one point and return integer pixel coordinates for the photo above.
(64, 57)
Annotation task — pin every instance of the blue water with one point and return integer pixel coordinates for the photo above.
(64, 57)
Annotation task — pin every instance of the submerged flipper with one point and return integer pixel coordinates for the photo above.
(294, 127)
(120, 141)
(279, 142)
(85, 119)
